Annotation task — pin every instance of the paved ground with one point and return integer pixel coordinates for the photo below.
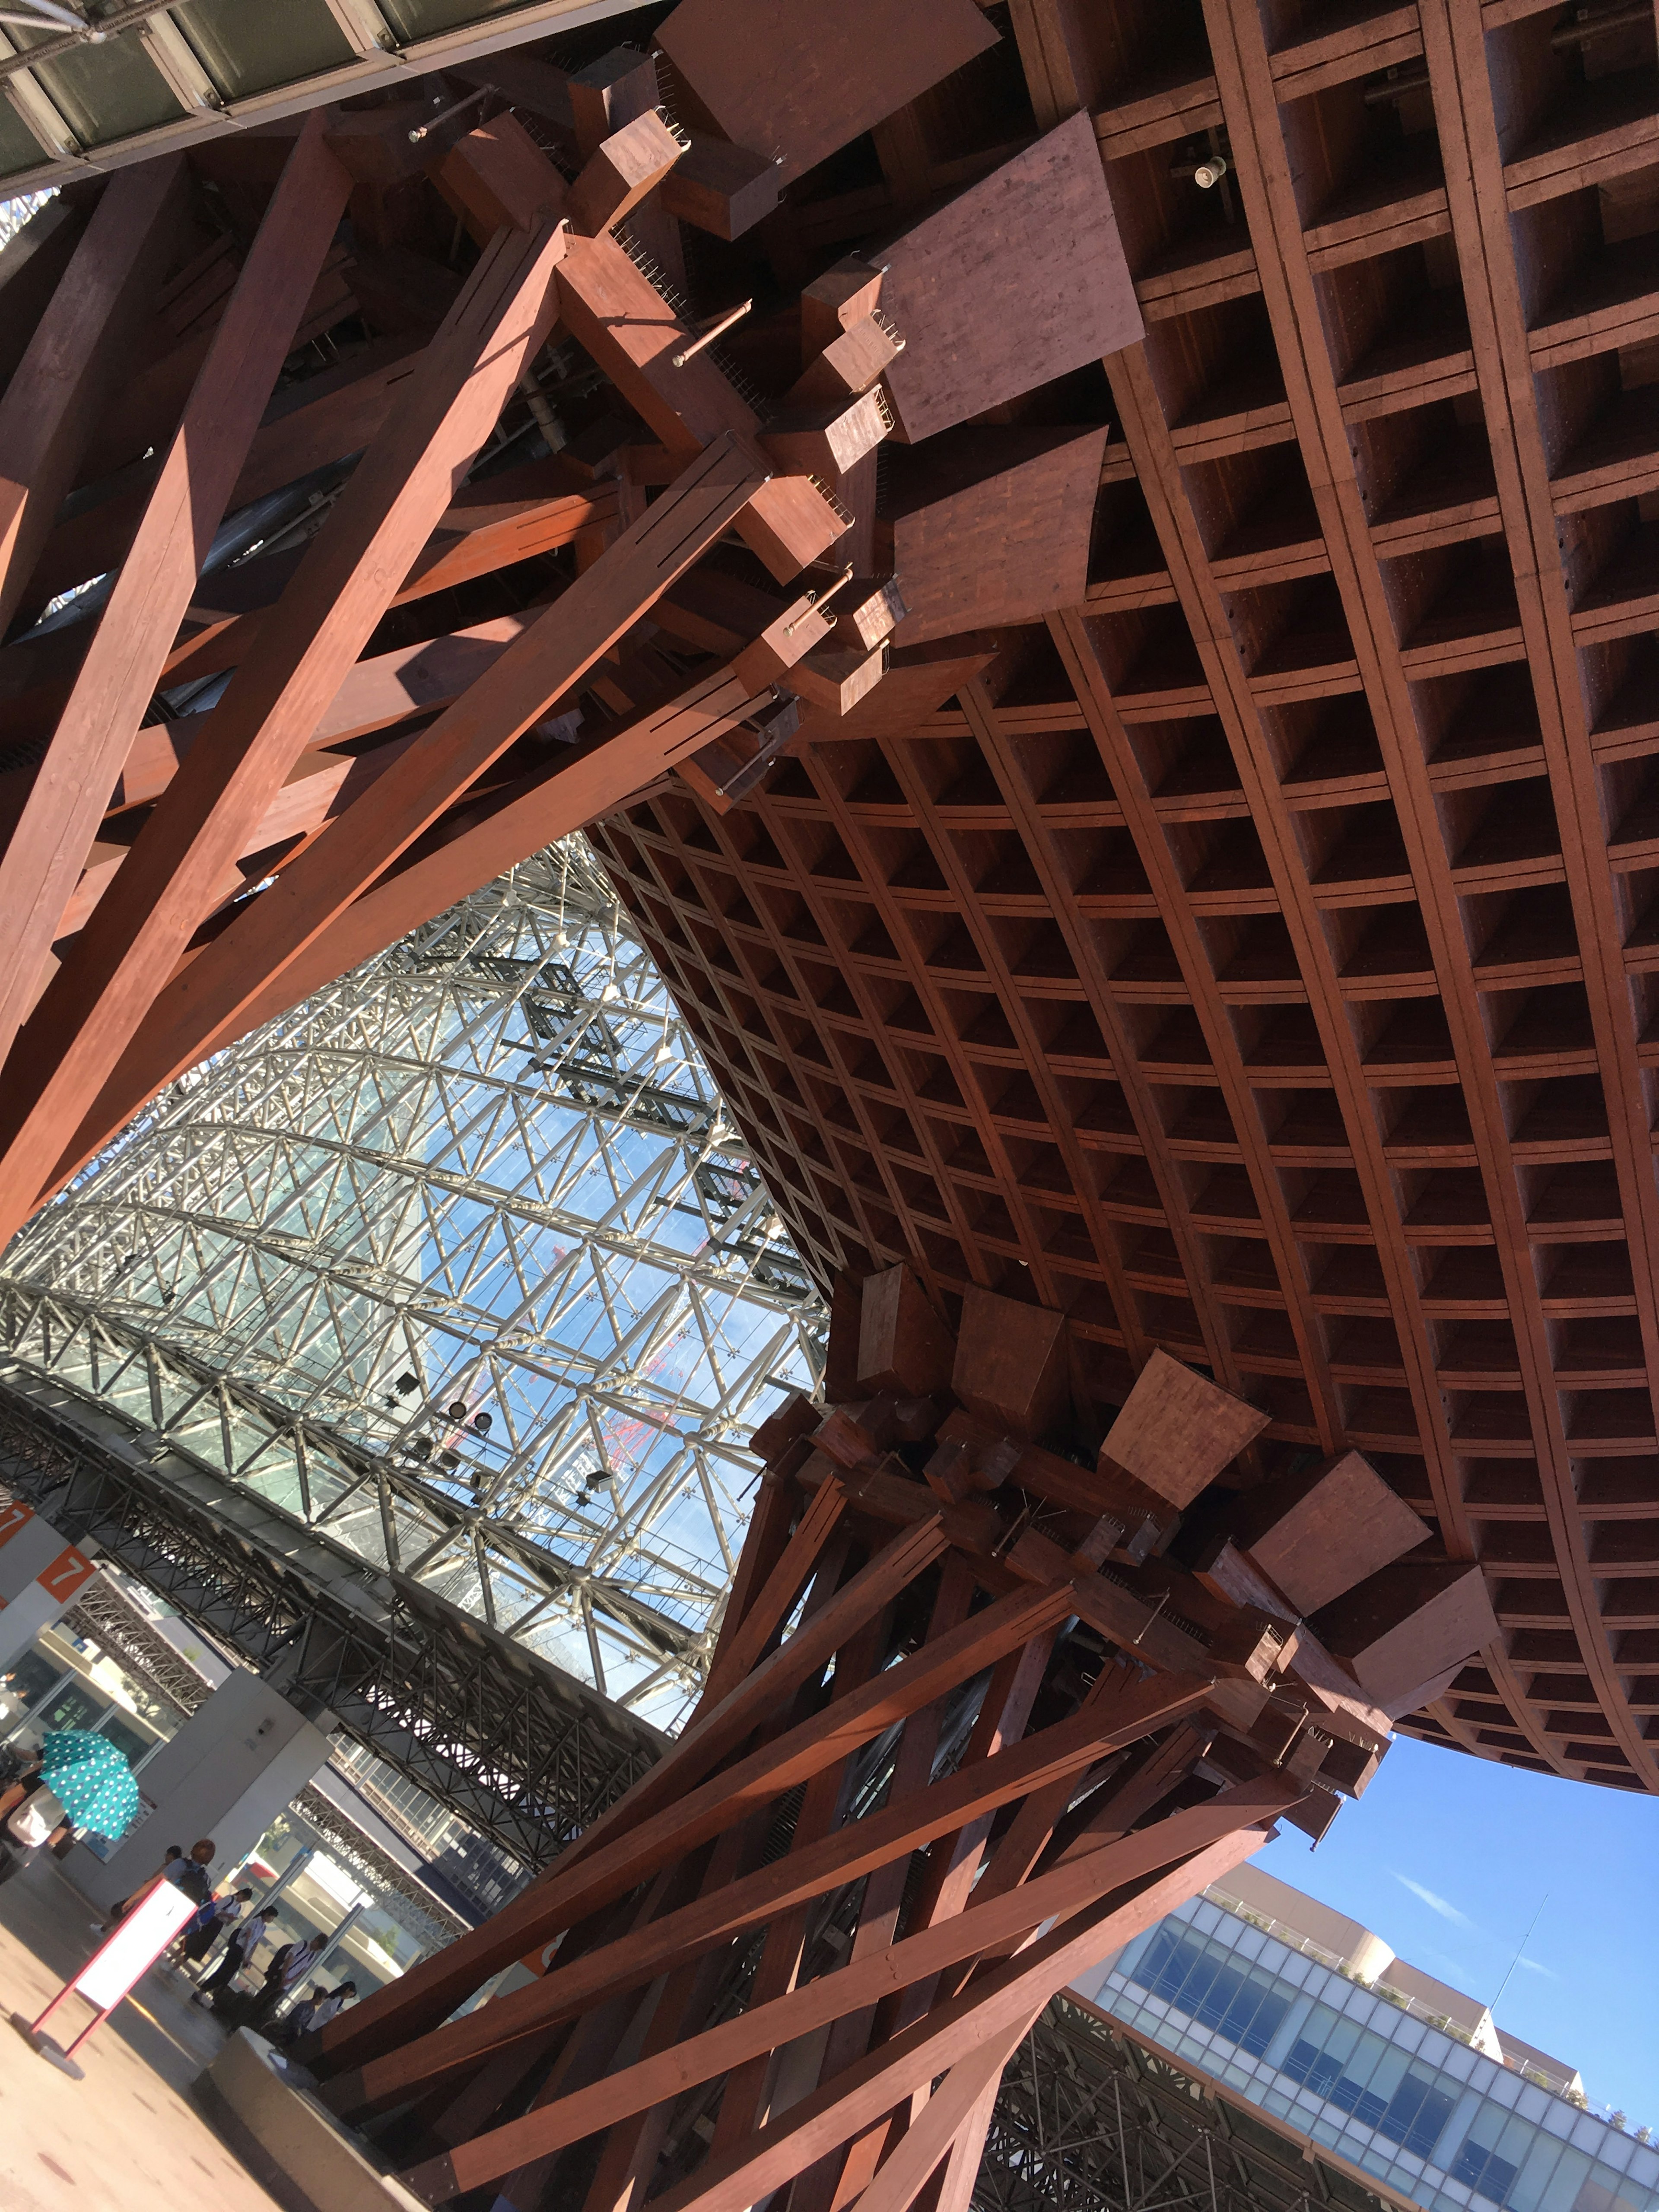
(127, 2139)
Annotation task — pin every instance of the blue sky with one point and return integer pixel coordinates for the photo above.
(1448, 1858)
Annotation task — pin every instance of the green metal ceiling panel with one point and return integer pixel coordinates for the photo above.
(19, 148)
(247, 50)
(107, 93)
(145, 75)
(424, 19)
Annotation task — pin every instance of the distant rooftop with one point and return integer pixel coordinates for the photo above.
(1365, 1956)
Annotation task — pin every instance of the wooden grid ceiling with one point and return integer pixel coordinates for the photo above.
(1253, 953)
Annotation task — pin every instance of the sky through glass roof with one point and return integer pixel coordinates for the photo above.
(462, 1261)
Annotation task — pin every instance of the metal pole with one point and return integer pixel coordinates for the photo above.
(348, 1922)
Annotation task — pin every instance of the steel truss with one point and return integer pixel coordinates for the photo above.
(106, 1616)
(461, 1265)
(524, 1754)
(1092, 2118)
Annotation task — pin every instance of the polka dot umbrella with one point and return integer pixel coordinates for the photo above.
(90, 1779)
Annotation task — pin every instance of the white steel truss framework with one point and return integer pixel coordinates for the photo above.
(461, 1263)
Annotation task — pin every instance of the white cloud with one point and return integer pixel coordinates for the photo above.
(1436, 1904)
(1532, 1967)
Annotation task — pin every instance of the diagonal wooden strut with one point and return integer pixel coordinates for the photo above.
(1073, 1891)
(48, 848)
(204, 1002)
(97, 999)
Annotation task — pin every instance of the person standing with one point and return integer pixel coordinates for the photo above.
(188, 1870)
(286, 1973)
(343, 1994)
(216, 1989)
(218, 1915)
(314, 2011)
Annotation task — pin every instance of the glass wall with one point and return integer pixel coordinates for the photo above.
(63, 1681)
(1440, 2123)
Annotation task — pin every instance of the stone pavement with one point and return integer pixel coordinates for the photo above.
(128, 2138)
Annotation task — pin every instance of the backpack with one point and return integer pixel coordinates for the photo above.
(195, 1882)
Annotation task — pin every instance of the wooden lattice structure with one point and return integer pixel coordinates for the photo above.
(1030, 1697)
(1174, 927)
(1196, 873)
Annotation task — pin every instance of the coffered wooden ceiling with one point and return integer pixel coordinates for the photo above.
(1253, 953)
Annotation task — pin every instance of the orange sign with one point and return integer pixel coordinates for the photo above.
(13, 1518)
(66, 1574)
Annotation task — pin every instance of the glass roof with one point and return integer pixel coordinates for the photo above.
(462, 1262)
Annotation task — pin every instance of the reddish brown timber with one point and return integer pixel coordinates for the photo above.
(801, 86)
(903, 1343)
(1010, 1364)
(1207, 1832)
(44, 857)
(75, 357)
(436, 1986)
(1039, 235)
(511, 517)
(1178, 1429)
(727, 1797)
(1317, 1533)
(767, 1537)
(491, 833)
(208, 999)
(776, 1599)
(99, 999)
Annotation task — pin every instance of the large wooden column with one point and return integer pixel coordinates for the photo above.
(981, 1710)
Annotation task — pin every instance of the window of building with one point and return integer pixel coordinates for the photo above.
(1416, 2115)
(31, 1674)
(1483, 2172)
(1363, 2075)
(1205, 1981)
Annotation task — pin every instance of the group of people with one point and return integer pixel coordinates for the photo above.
(285, 1974)
(227, 1914)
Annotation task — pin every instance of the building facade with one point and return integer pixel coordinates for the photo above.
(1433, 2100)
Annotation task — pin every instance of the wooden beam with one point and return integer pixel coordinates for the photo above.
(44, 857)
(764, 1542)
(206, 1000)
(619, 173)
(801, 85)
(512, 517)
(75, 356)
(930, 2136)
(776, 1600)
(753, 1781)
(431, 1991)
(1208, 1830)
(100, 998)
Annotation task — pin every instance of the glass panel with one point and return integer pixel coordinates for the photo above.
(32, 1676)
(73, 1706)
(1483, 2172)
(1417, 2113)
(111, 91)
(19, 147)
(420, 19)
(127, 1741)
(1204, 1980)
(247, 50)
